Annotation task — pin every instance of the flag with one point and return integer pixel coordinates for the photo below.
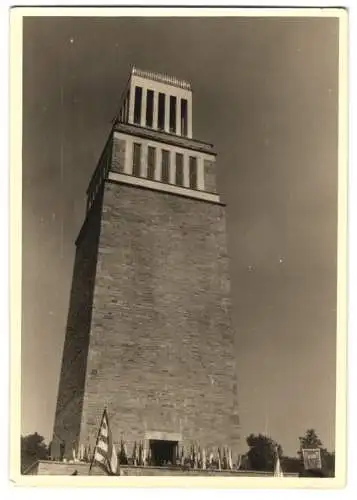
(230, 461)
(87, 453)
(195, 458)
(204, 458)
(278, 471)
(105, 453)
(199, 457)
(135, 454)
(182, 457)
(224, 458)
(140, 454)
(142, 451)
(145, 455)
(62, 450)
(123, 453)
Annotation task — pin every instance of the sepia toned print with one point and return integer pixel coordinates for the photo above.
(180, 248)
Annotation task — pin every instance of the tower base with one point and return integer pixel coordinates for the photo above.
(53, 468)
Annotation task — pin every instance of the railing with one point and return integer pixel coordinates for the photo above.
(162, 78)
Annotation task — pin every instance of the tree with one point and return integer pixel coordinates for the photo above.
(262, 452)
(33, 448)
(329, 463)
(311, 440)
(291, 465)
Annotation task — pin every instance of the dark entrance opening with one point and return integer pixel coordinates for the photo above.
(163, 452)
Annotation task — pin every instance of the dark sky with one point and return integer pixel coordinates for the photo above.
(265, 93)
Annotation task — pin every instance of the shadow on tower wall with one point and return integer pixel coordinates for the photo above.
(74, 360)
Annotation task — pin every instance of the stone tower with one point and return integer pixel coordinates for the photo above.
(149, 331)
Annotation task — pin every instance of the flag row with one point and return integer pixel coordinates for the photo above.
(194, 456)
(105, 454)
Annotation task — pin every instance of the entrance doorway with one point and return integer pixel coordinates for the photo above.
(163, 452)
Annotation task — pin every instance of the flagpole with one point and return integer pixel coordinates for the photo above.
(96, 442)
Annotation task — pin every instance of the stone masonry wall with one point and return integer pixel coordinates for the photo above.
(74, 361)
(44, 468)
(210, 176)
(161, 343)
(118, 155)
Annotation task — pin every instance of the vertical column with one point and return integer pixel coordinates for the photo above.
(178, 115)
(156, 110)
(128, 166)
(158, 165)
(123, 115)
(144, 161)
(131, 103)
(189, 116)
(126, 113)
(172, 168)
(200, 174)
(167, 113)
(186, 170)
(143, 107)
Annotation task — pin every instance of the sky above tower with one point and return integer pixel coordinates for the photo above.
(265, 94)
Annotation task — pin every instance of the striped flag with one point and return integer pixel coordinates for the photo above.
(105, 453)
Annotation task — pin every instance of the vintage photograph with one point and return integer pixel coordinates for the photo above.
(181, 240)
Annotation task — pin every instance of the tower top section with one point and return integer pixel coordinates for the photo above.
(157, 101)
(158, 77)
(151, 144)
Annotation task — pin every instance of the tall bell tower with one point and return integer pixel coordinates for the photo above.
(149, 331)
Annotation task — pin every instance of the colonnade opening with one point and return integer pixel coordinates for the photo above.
(167, 113)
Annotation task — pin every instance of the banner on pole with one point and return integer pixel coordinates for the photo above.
(312, 458)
